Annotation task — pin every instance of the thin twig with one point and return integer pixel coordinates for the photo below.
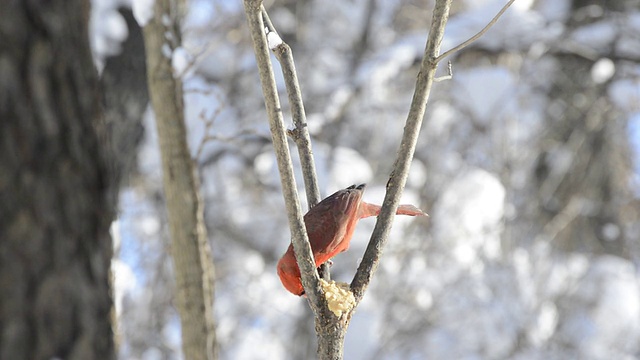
(400, 171)
(478, 35)
(208, 125)
(449, 75)
(299, 238)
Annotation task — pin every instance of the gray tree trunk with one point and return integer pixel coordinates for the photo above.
(189, 247)
(55, 248)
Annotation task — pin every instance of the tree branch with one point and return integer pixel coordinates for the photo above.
(449, 75)
(299, 238)
(400, 171)
(476, 36)
(301, 132)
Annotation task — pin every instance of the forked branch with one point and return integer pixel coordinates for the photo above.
(478, 35)
(301, 132)
(299, 237)
(400, 171)
(331, 330)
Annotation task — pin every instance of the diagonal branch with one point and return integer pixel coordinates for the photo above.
(300, 240)
(478, 35)
(400, 171)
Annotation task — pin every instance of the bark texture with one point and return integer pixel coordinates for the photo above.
(55, 247)
(124, 87)
(189, 248)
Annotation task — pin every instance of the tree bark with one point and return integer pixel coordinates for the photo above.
(189, 248)
(123, 82)
(55, 248)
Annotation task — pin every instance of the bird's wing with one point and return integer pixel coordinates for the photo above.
(327, 222)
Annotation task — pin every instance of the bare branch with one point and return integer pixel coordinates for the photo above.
(449, 75)
(300, 240)
(208, 123)
(478, 35)
(301, 133)
(400, 171)
(330, 329)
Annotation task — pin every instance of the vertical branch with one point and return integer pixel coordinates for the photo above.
(301, 132)
(331, 331)
(300, 240)
(400, 171)
(189, 247)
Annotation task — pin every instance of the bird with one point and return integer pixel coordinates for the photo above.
(330, 225)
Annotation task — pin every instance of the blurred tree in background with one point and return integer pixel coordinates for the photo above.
(57, 187)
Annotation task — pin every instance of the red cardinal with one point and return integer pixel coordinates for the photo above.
(330, 226)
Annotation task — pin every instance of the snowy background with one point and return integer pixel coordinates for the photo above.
(527, 163)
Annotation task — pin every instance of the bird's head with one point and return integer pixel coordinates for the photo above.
(289, 274)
